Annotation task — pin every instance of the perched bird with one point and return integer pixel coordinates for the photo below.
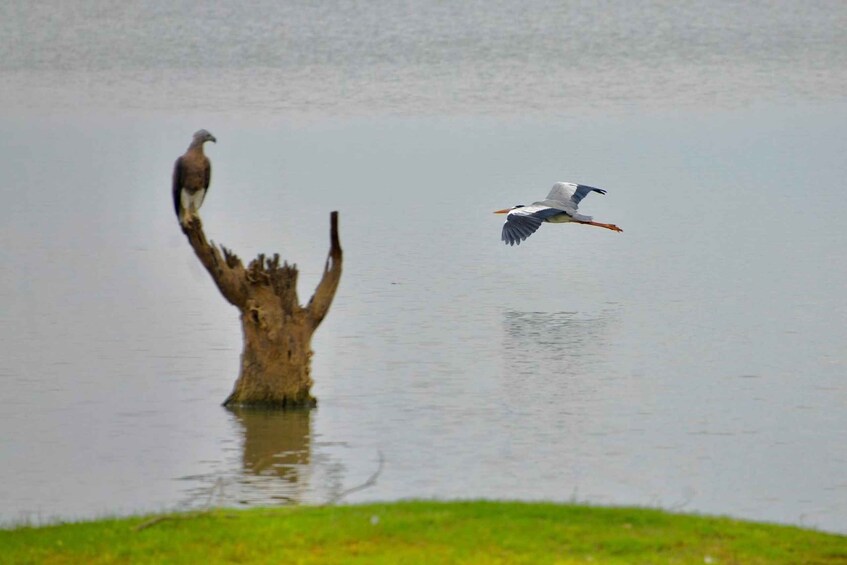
(192, 173)
(559, 207)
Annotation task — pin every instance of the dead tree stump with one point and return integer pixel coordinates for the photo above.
(276, 360)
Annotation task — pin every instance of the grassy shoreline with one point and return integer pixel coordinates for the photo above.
(422, 532)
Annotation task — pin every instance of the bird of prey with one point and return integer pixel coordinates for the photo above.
(192, 173)
(559, 207)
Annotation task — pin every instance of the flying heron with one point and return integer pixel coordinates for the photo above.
(558, 208)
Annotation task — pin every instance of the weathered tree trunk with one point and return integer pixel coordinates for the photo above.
(276, 361)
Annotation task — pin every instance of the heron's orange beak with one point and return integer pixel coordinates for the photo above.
(503, 211)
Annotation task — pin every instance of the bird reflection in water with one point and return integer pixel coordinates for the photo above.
(556, 355)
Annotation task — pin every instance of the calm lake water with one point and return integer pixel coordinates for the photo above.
(695, 362)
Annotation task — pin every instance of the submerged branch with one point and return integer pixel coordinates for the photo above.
(367, 484)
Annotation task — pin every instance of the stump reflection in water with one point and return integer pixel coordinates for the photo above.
(277, 444)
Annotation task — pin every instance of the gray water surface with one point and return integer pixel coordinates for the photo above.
(695, 361)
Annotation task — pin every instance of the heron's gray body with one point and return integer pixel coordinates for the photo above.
(559, 207)
(563, 218)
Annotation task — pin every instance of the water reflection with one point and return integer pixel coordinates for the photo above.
(558, 357)
(567, 343)
(277, 444)
(274, 463)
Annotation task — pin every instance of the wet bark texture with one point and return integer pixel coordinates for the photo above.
(276, 360)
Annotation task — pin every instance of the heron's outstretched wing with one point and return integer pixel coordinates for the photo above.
(177, 185)
(524, 221)
(569, 192)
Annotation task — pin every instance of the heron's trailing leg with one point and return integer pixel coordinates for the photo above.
(612, 227)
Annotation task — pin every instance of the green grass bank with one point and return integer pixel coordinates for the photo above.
(422, 532)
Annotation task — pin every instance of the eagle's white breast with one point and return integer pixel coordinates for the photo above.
(192, 202)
